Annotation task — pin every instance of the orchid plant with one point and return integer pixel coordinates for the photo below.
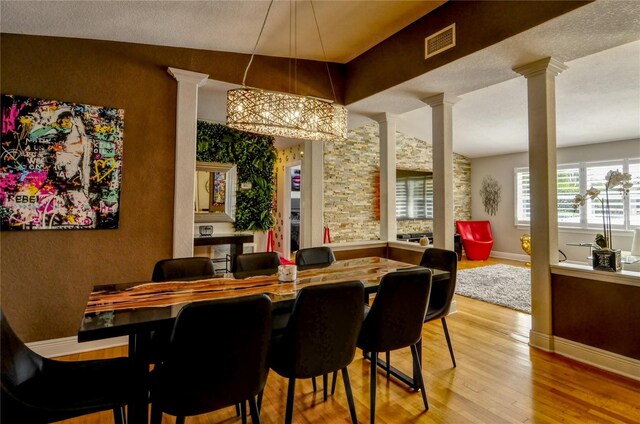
(614, 180)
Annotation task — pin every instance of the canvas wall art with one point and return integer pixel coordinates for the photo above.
(61, 165)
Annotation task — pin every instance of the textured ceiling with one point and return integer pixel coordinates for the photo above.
(598, 97)
(347, 27)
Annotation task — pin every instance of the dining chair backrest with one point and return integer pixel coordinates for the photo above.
(263, 262)
(322, 255)
(442, 292)
(41, 390)
(397, 314)
(322, 331)
(19, 363)
(217, 356)
(182, 268)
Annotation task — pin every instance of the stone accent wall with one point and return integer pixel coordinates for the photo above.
(416, 155)
(352, 186)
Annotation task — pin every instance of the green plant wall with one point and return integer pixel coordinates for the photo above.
(255, 157)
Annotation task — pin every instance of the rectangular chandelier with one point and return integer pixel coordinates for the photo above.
(285, 115)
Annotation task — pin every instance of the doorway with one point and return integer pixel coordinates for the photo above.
(291, 234)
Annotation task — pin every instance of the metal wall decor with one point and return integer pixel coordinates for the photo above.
(491, 195)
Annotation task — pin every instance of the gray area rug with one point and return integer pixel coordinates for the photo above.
(503, 285)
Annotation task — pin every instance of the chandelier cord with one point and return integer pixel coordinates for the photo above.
(324, 54)
(256, 46)
(290, 44)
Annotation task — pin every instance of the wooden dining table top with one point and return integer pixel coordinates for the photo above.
(123, 309)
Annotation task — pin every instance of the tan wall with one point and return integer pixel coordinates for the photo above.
(352, 187)
(46, 276)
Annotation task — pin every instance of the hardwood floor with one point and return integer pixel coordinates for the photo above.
(499, 379)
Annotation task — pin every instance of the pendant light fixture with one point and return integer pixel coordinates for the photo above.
(285, 114)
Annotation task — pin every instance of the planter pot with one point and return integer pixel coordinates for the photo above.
(607, 260)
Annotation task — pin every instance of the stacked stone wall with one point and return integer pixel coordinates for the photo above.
(352, 184)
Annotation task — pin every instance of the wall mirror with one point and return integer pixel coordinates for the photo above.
(215, 192)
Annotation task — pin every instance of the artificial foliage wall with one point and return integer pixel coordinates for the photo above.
(255, 156)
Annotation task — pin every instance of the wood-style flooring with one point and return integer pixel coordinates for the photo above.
(499, 379)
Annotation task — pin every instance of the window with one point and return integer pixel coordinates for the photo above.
(577, 178)
(634, 194)
(414, 195)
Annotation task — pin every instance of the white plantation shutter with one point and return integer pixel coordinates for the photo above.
(415, 188)
(414, 197)
(568, 186)
(401, 199)
(576, 179)
(634, 193)
(523, 196)
(428, 197)
(596, 178)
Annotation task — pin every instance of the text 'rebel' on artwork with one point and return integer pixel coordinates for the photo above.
(61, 165)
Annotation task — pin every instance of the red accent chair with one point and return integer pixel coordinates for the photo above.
(477, 239)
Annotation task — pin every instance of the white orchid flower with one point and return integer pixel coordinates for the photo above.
(592, 193)
(579, 200)
(616, 178)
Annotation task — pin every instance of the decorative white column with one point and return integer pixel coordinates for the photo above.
(442, 134)
(540, 77)
(387, 130)
(312, 202)
(185, 165)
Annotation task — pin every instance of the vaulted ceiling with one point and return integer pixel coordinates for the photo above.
(598, 97)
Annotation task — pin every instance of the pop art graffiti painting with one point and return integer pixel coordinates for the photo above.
(61, 165)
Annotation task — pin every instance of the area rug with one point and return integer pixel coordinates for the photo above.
(503, 285)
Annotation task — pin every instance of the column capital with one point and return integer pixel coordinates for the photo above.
(441, 99)
(548, 64)
(385, 117)
(188, 76)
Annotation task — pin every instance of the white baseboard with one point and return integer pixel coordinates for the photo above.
(599, 358)
(69, 346)
(541, 341)
(453, 307)
(511, 256)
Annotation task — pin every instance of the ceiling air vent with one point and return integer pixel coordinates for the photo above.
(440, 41)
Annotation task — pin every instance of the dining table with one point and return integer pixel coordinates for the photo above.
(138, 309)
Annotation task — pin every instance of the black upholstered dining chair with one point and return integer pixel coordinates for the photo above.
(41, 390)
(210, 366)
(192, 268)
(250, 264)
(395, 321)
(320, 337)
(441, 293)
(317, 257)
(322, 255)
(182, 268)
(263, 263)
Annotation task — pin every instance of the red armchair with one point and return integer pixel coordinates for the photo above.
(477, 239)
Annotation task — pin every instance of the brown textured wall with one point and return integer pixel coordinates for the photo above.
(46, 276)
(479, 24)
(596, 313)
